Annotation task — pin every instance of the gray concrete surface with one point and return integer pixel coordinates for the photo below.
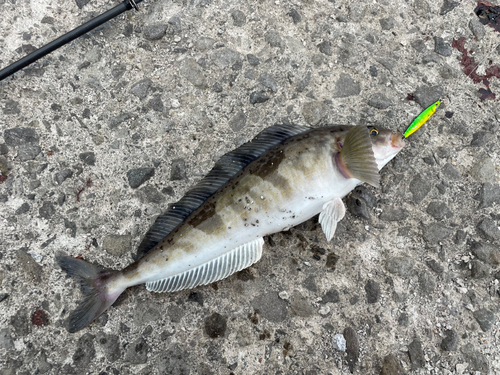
(99, 140)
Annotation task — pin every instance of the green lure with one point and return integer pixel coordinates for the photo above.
(421, 119)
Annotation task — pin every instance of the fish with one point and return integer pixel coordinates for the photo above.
(422, 118)
(286, 175)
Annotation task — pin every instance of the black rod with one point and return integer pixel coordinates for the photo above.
(68, 37)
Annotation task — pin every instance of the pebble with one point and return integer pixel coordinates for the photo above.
(484, 171)
(346, 86)
(136, 177)
(296, 17)
(479, 270)
(488, 229)
(379, 101)
(178, 170)
(300, 306)
(387, 23)
(486, 252)
(339, 342)
(116, 244)
(314, 112)
(391, 366)
(284, 295)
(85, 352)
(352, 348)
(401, 266)
(303, 83)
(87, 157)
(268, 82)
(47, 210)
(20, 323)
(450, 341)
(176, 25)
(325, 47)
(392, 213)
(225, 57)
(477, 28)
(480, 139)
(137, 352)
(448, 6)
(141, 88)
(71, 225)
(257, 97)
(156, 103)
(28, 152)
(372, 289)
(6, 342)
(273, 38)
(25, 207)
(426, 283)
(485, 318)
(419, 187)
(150, 194)
(155, 32)
(416, 354)
(324, 310)
(81, 3)
(439, 210)
(271, 307)
(310, 284)
(239, 18)
(215, 325)
(441, 47)
(4, 149)
(20, 136)
(204, 43)
(426, 95)
(451, 172)
(193, 72)
(436, 232)
(110, 345)
(477, 360)
(435, 266)
(253, 60)
(331, 261)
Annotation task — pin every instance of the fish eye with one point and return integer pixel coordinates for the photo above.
(373, 131)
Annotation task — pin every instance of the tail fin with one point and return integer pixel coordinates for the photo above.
(94, 282)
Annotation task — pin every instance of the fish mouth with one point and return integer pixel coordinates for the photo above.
(397, 140)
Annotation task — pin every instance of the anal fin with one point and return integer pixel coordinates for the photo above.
(333, 211)
(217, 269)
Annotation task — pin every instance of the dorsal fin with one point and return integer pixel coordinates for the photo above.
(227, 167)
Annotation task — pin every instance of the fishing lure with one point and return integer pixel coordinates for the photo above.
(421, 119)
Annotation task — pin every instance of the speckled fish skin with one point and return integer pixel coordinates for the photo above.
(284, 187)
(290, 174)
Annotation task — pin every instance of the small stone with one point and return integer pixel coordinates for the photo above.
(258, 97)
(117, 245)
(271, 307)
(485, 318)
(178, 170)
(484, 171)
(451, 172)
(85, 352)
(140, 89)
(436, 232)
(239, 18)
(401, 266)
(416, 354)
(176, 26)
(6, 342)
(215, 325)
(87, 157)
(439, 210)
(380, 101)
(71, 225)
(115, 121)
(441, 47)
(418, 45)
(479, 139)
(4, 150)
(274, 39)
(372, 289)
(391, 366)
(300, 306)
(204, 43)
(47, 210)
(426, 283)
(137, 352)
(303, 83)
(393, 214)
(387, 23)
(479, 270)
(477, 360)
(225, 57)
(110, 344)
(448, 6)
(61, 176)
(332, 296)
(352, 347)
(155, 32)
(331, 260)
(431, 58)
(156, 103)
(149, 194)
(403, 320)
(28, 152)
(477, 28)
(339, 342)
(20, 323)
(136, 177)
(20, 136)
(427, 95)
(487, 253)
(81, 3)
(296, 17)
(325, 47)
(314, 112)
(61, 198)
(346, 86)
(253, 60)
(435, 266)
(192, 71)
(25, 207)
(310, 284)
(488, 229)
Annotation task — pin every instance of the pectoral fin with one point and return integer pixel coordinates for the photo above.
(332, 213)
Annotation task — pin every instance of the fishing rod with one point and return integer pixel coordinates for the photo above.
(125, 6)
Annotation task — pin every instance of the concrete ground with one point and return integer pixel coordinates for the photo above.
(97, 141)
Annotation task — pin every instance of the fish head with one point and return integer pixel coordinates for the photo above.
(385, 144)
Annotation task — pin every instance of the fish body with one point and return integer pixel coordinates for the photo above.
(287, 175)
